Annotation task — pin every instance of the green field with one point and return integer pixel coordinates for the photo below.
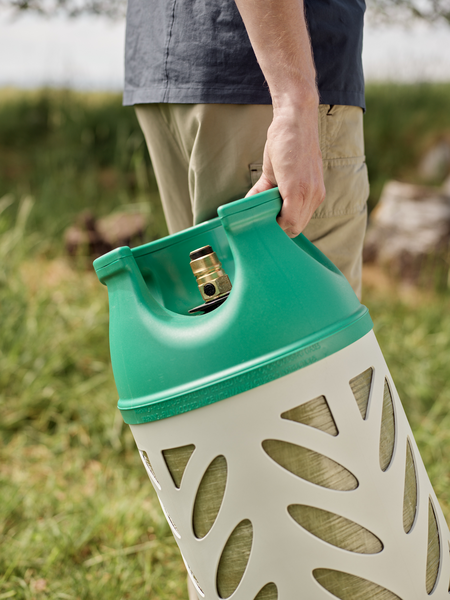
(78, 516)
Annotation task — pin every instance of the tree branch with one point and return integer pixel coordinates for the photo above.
(114, 9)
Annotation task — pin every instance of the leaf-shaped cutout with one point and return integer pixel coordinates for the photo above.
(234, 559)
(315, 413)
(310, 465)
(148, 467)
(345, 586)
(387, 434)
(433, 553)
(176, 460)
(268, 592)
(209, 496)
(410, 493)
(361, 385)
(335, 530)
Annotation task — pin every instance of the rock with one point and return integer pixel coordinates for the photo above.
(93, 237)
(121, 229)
(409, 228)
(435, 165)
(445, 189)
(83, 237)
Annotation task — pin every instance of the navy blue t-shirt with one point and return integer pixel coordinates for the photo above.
(198, 51)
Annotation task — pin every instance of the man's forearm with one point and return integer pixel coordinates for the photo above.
(280, 39)
(292, 158)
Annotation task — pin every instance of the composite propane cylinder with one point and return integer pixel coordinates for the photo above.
(267, 419)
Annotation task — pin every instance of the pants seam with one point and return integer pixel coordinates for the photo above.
(340, 213)
(344, 160)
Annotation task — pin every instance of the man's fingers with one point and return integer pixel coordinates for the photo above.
(293, 161)
(292, 228)
(298, 174)
(292, 222)
(298, 209)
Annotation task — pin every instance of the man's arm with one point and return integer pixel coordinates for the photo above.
(292, 158)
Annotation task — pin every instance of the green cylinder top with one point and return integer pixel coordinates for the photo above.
(289, 307)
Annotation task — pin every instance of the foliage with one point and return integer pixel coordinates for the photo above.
(74, 151)
(397, 10)
(388, 10)
(114, 9)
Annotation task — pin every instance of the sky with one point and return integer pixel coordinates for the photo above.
(87, 53)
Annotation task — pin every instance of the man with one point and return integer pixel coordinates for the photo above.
(225, 92)
(196, 71)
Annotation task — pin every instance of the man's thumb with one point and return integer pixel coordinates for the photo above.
(261, 185)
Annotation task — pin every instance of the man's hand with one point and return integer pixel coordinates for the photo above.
(292, 159)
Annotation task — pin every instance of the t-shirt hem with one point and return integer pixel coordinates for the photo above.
(343, 98)
(173, 95)
(195, 96)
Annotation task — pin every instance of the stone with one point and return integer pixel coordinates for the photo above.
(435, 165)
(93, 237)
(409, 229)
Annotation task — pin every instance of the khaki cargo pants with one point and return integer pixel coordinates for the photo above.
(205, 155)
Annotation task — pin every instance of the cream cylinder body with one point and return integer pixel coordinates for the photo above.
(317, 479)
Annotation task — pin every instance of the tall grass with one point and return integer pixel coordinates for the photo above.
(74, 151)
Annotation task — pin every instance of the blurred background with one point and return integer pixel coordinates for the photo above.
(78, 516)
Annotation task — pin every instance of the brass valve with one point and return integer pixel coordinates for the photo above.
(213, 283)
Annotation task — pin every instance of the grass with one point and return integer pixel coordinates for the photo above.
(78, 516)
(413, 329)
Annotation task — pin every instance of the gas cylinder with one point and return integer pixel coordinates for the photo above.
(267, 419)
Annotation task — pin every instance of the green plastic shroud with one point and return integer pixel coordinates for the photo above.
(289, 307)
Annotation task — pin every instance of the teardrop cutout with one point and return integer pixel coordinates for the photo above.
(176, 460)
(335, 530)
(346, 586)
(410, 493)
(209, 497)
(312, 466)
(234, 559)
(434, 553)
(268, 592)
(387, 434)
(361, 385)
(315, 413)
